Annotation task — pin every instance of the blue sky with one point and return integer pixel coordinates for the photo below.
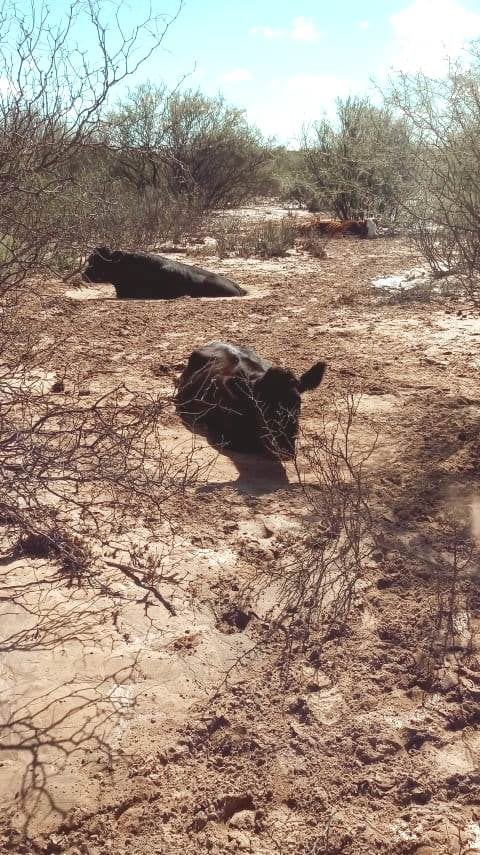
(286, 62)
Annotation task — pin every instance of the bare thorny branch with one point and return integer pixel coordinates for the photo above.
(51, 97)
(76, 477)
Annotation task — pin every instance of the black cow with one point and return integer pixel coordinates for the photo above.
(145, 276)
(241, 402)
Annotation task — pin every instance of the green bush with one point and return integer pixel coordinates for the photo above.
(444, 210)
(360, 164)
(187, 145)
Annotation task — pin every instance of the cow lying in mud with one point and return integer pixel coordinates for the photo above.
(338, 228)
(241, 402)
(145, 276)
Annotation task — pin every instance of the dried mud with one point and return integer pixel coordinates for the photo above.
(195, 741)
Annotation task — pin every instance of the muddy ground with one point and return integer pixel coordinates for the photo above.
(139, 731)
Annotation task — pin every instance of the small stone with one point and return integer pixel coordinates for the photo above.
(240, 839)
(244, 819)
(420, 797)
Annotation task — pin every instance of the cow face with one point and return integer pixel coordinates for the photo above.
(278, 399)
(100, 265)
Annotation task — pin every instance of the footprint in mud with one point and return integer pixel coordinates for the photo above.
(234, 619)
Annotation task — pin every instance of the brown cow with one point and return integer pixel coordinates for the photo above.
(337, 228)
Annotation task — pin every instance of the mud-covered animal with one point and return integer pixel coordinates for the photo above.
(146, 276)
(241, 402)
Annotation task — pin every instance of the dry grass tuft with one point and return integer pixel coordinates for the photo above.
(271, 239)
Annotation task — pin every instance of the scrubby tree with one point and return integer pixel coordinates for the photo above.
(443, 117)
(134, 131)
(51, 95)
(361, 162)
(187, 144)
(61, 460)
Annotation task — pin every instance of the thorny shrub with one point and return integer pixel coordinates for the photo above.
(80, 478)
(67, 463)
(443, 120)
(315, 246)
(322, 561)
(50, 101)
(359, 163)
(186, 145)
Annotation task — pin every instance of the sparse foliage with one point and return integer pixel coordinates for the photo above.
(315, 245)
(50, 100)
(444, 210)
(321, 564)
(359, 164)
(186, 145)
(270, 239)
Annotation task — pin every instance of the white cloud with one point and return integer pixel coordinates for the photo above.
(267, 32)
(364, 25)
(426, 32)
(303, 30)
(304, 98)
(316, 93)
(237, 75)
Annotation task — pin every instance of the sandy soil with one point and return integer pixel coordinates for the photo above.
(152, 733)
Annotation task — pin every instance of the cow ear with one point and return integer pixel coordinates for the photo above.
(313, 377)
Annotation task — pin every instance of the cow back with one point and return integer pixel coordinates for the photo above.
(333, 228)
(215, 395)
(144, 275)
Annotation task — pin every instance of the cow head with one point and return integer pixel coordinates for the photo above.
(277, 400)
(100, 265)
